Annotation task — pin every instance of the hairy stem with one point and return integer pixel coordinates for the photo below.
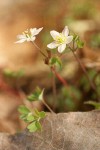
(62, 80)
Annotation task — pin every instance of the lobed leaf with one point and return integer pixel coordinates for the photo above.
(55, 61)
(36, 95)
(32, 127)
(23, 109)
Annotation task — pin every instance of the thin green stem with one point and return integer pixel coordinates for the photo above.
(43, 101)
(54, 89)
(39, 49)
(85, 72)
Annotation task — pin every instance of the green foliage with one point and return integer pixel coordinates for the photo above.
(95, 40)
(68, 99)
(32, 127)
(97, 79)
(13, 74)
(23, 110)
(78, 41)
(42, 114)
(94, 77)
(32, 118)
(55, 61)
(36, 95)
(84, 10)
(95, 104)
(85, 86)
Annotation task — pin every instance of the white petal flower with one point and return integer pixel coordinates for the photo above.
(61, 48)
(69, 39)
(28, 35)
(35, 31)
(54, 34)
(60, 39)
(65, 31)
(52, 45)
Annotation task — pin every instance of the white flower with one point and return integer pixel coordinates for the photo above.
(60, 39)
(29, 35)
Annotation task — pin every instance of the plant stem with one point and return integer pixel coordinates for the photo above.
(43, 101)
(54, 89)
(39, 49)
(63, 81)
(85, 72)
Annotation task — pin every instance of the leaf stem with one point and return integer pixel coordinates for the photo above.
(43, 101)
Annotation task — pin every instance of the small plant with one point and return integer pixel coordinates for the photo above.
(95, 104)
(64, 42)
(13, 74)
(95, 41)
(31, 117)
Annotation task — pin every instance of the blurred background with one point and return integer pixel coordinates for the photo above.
(22, 68)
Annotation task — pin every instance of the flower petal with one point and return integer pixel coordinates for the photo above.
(54, 34)
(21, 36)
(32, 38)
(61, 48)
(21, 41)
(39, 30)
(69, 39)
(52, 45)
(65, 31)
(35, 31)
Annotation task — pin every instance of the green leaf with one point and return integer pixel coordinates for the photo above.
(33, 97)
(30, 117)
(41, 95)
(75, 37)
(23, 117)
(36, 113)
(23, 110)
(8, 72)
(32, 127)
(13, 74)
(79, 43)
(38, 125)
(42, 114)
(36, 95)
(55, 61)
(95, 104)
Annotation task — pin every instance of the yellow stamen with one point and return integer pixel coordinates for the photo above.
(60, 39)
(27, 33)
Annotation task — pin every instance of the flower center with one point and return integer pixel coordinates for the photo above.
(61, 39)
(27, 33)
